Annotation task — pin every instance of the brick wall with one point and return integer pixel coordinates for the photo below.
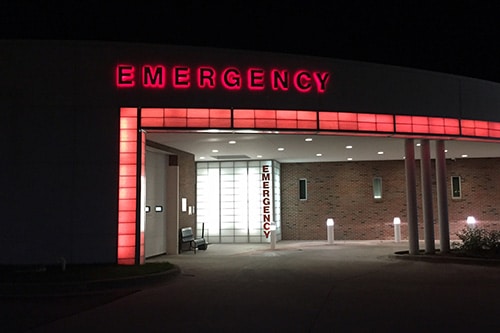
(344, 191)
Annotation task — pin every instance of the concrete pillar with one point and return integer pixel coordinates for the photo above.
(426, 173)
(411, 196)
(442, 197)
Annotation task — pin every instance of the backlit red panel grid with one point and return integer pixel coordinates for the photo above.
(274, 119)
(480, 128)
(348, 121)
(187, 118)
(127, 187)
(312, 120)
(427, 125)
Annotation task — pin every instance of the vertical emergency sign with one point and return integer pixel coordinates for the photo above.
(267, 193)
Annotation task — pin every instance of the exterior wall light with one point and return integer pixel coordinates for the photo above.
(471, 221)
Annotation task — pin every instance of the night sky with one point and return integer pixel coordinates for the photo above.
(457, 37)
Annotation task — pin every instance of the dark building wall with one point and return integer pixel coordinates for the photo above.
(60, 134)
(344, 192)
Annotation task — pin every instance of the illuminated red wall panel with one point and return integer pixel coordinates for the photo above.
(127, 187)
(220, 118)
(175, 117)
(243, 118)
(198, 118)
(142, 204)
(328, 121)
(152, 117)
(494, 130)
(265, 118)
(307, 120)
(480, 128)
(427, 125)
(363, 122)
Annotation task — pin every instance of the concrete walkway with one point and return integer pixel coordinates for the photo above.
(298, 287)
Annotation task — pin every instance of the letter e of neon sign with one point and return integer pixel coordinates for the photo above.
(125, 76)
(255, 79)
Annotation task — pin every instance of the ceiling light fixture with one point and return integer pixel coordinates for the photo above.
(465, 155)
(349, 158)
(319, 154)
(215, 150)
(232, 142)
(281, 149)
(380, 153)
(308, 139)
(348, 147)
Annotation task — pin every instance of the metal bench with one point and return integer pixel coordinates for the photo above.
(186, 236)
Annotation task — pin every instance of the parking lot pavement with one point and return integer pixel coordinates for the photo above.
(297, 287)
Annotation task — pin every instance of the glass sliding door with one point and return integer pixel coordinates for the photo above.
(230, 200)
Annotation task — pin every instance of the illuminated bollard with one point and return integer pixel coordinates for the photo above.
(397, 229)
(329, 226)
(273, 235)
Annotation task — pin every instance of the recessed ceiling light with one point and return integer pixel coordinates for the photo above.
(349, 158)
(308, 139)
(446, 150)
(380, 153)
(319, 154)
(419, 144)
(281, 149)
(215, 150)
(465, 155)
(259, 156)
(232, 142)
(202, 157)
(348, 147)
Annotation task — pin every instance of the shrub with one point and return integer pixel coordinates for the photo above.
(476, 239)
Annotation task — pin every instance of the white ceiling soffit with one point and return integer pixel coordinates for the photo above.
(293, 148)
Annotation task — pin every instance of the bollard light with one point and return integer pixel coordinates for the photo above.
(471, 221)
(272, 228)
(397, 229)
(329, 226)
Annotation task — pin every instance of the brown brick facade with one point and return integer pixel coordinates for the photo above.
(344, 191)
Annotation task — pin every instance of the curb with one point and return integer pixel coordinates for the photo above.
(83, 287)
(440, 258)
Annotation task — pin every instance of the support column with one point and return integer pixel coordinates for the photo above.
(426, 173)
(172, 205)
(411, 196)
(442, 197)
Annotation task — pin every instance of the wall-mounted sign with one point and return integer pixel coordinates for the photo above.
(229, 78)
(266, 199)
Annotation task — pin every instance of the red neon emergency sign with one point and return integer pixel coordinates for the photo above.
(229, 78)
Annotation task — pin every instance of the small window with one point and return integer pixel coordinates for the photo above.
(456, 187)
(377, 188)
(303, 189)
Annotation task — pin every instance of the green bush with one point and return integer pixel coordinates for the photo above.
(476, 239)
